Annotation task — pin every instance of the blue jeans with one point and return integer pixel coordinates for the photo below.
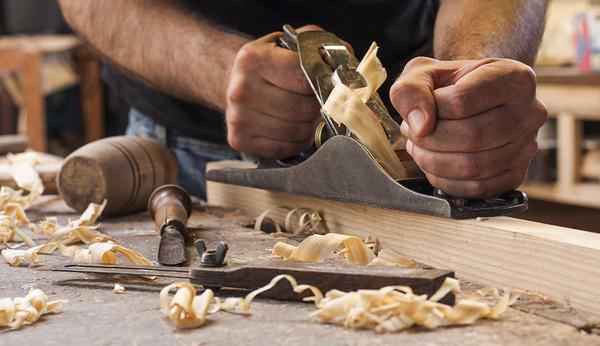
(192, 154)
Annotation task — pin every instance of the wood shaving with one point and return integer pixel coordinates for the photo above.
(185, 309)
(15, 257)
(242, 305)
(9, 229)
(317, 248)
(20, 311)
(372, 70)
(106, 253)
(307, 221)
(348, 106)
(345, 106)
(119, 289)
(386, 310)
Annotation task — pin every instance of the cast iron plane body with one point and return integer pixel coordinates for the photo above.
(342, 169)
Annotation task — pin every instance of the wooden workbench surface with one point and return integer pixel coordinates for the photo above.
(95, 315)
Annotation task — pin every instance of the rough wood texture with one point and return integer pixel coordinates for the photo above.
(558, 262)
(124, 170)
(96, 315)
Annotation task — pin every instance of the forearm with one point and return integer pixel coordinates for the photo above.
(160, 43)
(475, 29)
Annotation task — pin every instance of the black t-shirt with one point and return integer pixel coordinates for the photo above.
(402, 28)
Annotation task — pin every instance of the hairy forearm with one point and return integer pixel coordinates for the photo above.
(475, 29)
(160, 43)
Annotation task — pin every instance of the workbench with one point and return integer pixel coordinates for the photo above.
(94, 314)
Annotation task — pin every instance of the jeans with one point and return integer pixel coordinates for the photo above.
(192, 154)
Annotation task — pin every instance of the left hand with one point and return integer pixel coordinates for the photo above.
(471, 126)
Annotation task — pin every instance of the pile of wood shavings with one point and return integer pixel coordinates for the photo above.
(102, 249)
(389, 309)
(20, 311)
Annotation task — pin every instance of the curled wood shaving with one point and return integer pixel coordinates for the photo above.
(372, 70)
(317, 248)
(345, 106)
(106, 253)
(9, 229)
(242, 305)
(388, 257)
(8, 195)
(348, 106)
(47, 226)
(185, 309)
(20, 311)
(307, 220)
(15, 257)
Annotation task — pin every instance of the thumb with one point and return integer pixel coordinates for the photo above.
(412, 93)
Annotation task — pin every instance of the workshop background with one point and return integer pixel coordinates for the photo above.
(53, 99)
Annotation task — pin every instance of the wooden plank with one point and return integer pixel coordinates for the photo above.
(558, 262)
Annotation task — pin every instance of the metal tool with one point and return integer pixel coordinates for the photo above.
(211, 258)
(255, 275)
(342, 168)
(170, 207)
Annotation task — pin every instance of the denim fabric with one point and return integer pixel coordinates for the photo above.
(192, 154)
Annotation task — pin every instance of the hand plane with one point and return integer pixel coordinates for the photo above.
(341, 168)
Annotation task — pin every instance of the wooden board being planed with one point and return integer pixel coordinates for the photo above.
(558, 262)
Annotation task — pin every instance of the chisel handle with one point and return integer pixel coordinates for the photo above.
(170, 205)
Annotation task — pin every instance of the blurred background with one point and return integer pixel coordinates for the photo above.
(53, 97)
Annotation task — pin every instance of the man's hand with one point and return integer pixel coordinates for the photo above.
(471, 126)
(271, 110)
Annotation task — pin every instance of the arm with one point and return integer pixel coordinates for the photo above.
(269, 107)
(467, 29)
(471, 118)
(145, 39)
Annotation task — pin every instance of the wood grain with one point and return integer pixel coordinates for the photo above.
(558, 262)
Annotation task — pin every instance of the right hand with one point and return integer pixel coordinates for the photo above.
(271, 110)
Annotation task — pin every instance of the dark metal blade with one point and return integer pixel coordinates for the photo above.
(171, 250)
(169, 272)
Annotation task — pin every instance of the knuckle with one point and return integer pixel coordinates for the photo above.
(248, 57)
(540, 113)
(235, 120)
(239, 91)
(234, 140)
(458, 104)
(417, 62)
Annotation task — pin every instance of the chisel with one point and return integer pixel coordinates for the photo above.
(170, 207)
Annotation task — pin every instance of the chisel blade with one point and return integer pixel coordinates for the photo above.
(171, 250)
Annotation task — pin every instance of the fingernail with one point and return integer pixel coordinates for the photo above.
(416, 120)
(409, 147)
(404, 128)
